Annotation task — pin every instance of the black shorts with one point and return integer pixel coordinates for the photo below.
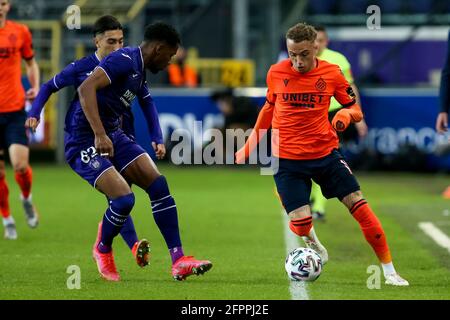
(12, 129)
(331, 173)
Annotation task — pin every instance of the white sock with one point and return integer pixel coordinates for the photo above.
(8, 220)
(388, 268)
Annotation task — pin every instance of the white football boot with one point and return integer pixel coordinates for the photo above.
(10, 228)
(30, 212)
(394, 279)
(312, 242)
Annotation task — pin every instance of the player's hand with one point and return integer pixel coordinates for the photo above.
(32, 123)
(341, 120)
(31, 94)
(442, 122)
(160, 150)
(240, 156)
(362, 128)
(104, 145)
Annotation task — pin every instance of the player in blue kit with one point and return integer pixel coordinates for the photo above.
(108, 37)
(101, 153)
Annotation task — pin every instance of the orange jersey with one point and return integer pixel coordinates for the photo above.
(15, 45)
(300, 105)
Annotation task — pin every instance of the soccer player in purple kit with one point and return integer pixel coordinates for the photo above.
(98, 150)
(108, 37)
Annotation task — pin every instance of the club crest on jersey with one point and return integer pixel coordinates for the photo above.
(12, 39)
(321, 85)
(94, 164)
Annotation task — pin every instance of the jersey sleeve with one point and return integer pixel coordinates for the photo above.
(116, 65)
(66, 77)
(150, 113)
(63, 79)
(26, 50)
(343, 92)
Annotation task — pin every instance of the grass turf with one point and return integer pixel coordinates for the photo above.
(231, 217)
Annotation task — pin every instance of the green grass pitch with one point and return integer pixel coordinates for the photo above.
(231, 217)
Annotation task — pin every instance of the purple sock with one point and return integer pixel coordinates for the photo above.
(114, 218)
(176, 253)
(128, 233)
(165, 212)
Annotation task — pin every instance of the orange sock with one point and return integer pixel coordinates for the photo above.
(4, 192)
(372, 229)
(301, 226)
(24, 180)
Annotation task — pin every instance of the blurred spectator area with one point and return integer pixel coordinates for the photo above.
(228, 38)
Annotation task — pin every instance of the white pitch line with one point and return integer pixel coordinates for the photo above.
(296, 288)
(436, 234)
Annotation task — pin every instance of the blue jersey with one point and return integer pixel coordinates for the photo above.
(125, 71)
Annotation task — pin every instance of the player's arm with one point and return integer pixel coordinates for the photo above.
(87, 92)
(31, 66)
(444, 95)
(361, 126)
(33, 75)
(63, 79)
(151, 116)
(263, 123)
(351, 111)
(346, 68)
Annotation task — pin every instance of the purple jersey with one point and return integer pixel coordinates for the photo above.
(125, 71)
(74, 74)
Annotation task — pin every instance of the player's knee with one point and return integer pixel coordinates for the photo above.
(20, 166)
(123, 204)
(352, 198)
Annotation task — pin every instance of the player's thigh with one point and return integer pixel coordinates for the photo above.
(132, 161)
(16, 140)
(112, 184)
(141, 172)
(19, 155)
(336, 179)
(98, 171)
(293, 187)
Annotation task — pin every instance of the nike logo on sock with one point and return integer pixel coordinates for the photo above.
(155, 205)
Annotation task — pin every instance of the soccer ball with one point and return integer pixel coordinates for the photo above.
(303, 264)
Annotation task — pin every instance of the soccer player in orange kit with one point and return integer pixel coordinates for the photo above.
(306, 144)
(15, 45)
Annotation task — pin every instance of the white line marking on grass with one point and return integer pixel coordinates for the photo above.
(436, 234)
(297, 288)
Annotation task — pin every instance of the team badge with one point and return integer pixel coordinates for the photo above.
(321, 85)
(94, 164)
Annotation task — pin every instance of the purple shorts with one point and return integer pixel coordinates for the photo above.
(83, 158)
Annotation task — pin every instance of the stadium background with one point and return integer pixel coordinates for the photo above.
(232, 43)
